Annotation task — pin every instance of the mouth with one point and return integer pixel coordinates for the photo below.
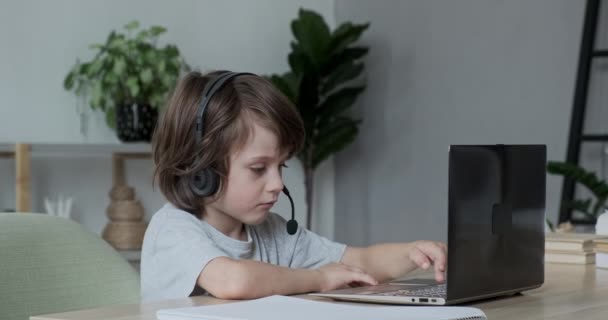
(267, 204)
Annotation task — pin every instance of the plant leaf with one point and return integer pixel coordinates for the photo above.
(68, 82)
(333, 139)
(348, 55)
(142, 35)
(118, 44)
(287, 84)
(94, 68)
(111, 117)
(156, 100)
(133, 87)
(161, 66)
(344, 35)
(344, 72)
(307, 102)
(120, 64)
(598, 187)
(132, 25)
(301, 63)
(157, 30)
(581, 206)
(338, 102)
(168, 80)
(587, 178)
(313, 36)
(146, 76)
(96, 93)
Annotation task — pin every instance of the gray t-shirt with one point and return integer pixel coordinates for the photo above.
(177, 247)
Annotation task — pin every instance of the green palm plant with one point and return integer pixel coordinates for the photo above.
(598, 188)
(323, 66)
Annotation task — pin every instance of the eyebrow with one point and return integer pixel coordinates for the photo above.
(264, 158)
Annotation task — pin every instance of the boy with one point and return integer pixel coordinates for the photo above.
(219, 150)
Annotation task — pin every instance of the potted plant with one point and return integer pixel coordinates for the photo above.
(323, 64)
(591, 208)
(129, 79)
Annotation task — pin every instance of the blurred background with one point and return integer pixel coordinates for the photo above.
(435, 73)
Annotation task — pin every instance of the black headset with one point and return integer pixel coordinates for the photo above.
(206, 182)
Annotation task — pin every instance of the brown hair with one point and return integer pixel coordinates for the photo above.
(228, 122)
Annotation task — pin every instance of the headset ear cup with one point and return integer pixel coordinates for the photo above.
(205, 183)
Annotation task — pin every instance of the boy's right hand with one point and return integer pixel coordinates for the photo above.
(338, 275)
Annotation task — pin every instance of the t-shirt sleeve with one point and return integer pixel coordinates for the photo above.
(312, 250)
(175, 257)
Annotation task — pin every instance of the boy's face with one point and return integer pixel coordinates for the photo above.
(254, 179)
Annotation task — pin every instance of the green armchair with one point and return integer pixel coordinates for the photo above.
(50, 264)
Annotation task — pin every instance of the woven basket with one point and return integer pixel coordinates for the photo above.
(126, 210)
(118, 193)
(125, 235)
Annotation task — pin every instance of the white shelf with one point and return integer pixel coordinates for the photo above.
(80, 149)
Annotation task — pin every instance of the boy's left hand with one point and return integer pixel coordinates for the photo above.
(427, 253)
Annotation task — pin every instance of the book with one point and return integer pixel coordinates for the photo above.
(601, 245)
(573, 237)
(570, 257)
(569, 246)
(579, 242)
(282, 307)
(601, 250)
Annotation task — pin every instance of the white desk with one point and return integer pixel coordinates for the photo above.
(569, 292)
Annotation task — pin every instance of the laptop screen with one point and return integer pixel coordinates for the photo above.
(496, 208)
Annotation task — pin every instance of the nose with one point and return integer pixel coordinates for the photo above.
(275, 183)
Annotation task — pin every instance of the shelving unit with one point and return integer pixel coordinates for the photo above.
(587, 55)
(23, 153)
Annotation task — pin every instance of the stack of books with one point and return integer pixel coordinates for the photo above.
(601, 253)
(573, 248)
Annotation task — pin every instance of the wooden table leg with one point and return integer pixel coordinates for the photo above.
(22, 185)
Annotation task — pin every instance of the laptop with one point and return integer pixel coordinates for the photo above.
(496, 209)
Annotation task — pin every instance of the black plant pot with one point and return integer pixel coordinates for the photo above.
(135, 122)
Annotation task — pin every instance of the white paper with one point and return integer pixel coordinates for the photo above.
(281, 308)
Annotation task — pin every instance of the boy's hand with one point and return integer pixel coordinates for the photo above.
(338, 275)
(427, 253)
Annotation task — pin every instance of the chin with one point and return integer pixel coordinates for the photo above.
(258, 217)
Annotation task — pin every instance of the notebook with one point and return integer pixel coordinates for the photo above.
(282, 307)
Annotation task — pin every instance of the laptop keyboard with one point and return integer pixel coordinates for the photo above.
(438, 291)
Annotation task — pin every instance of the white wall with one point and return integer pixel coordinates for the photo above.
(439, 72)
(450, 72)
(40, 40)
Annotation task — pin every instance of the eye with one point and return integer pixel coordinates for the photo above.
(258, 170)
(283, 165)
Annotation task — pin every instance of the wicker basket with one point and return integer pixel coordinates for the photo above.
(125, 235)
(126, 210)
(119, 193)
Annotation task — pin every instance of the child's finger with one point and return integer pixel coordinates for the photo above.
(363, 278)
(439, 275)
(420, 258)
(436, 253)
